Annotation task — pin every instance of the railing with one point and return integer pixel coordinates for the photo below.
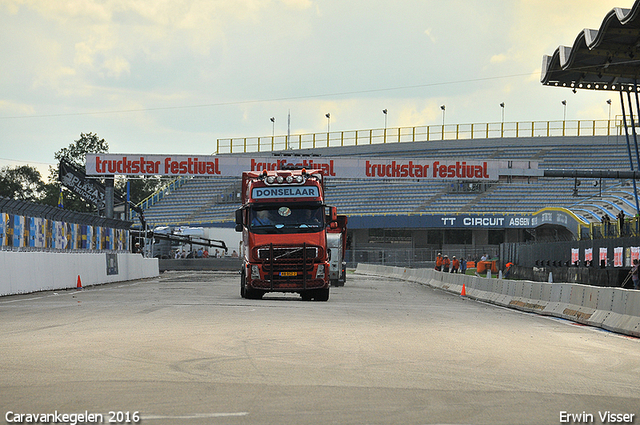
(160, 193)
(613, 229)
(421, 134)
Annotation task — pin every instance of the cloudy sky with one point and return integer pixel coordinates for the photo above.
(173, 76)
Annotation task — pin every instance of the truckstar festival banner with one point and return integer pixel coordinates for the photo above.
(362, 168)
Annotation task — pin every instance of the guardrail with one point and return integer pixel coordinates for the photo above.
(421, 134)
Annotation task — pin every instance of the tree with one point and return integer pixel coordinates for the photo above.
(26, 183)
(75, 154)
(139, 188)
(21, 182)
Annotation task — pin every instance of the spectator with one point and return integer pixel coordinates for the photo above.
(234, 254)
(199, 253)
(606, 224)
(205, 253)
(621, 222)
(634, 274)
(463, 266)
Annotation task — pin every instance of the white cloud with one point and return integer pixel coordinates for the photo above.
(13, 108)
(429, 33)
(540, 26)
(297, 4)
(84, 54)
(499, 58)
(115, 66)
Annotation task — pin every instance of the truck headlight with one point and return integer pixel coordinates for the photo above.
(255, 272)
(320, 272)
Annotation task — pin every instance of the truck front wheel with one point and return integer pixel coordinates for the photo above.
(243, 284)
(321, 294)
(253, 294)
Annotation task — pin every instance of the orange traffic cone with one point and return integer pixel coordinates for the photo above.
(79, 283)
(464, 291)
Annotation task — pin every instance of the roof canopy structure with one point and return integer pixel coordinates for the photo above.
(604, 59)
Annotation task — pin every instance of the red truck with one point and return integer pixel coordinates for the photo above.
(284, 234)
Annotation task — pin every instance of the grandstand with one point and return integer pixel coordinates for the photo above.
(420, 205)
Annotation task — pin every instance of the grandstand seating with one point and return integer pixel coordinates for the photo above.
(213, 200)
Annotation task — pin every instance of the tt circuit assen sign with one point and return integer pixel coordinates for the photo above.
(361, 168)
(546, 216)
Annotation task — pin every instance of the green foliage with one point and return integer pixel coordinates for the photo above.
(76, 151)
(22, 182)
(25, 182)
(71, 201)
(74, 154)
(139, 188)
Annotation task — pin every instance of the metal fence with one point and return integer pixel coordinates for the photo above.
(416, 257)
(421, 134)
(26, 226)
(611, 229)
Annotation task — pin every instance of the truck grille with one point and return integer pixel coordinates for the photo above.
(288, 268)
(287, 254)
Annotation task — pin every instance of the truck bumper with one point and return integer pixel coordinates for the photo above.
(284, 286)
(288, 279)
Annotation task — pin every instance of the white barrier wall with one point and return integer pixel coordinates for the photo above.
(23, 272)
(615, 309)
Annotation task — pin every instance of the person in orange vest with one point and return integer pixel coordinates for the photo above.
(439, 262)
(508, 270)
(445, 264)
(455, 265)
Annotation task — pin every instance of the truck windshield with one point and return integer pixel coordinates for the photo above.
(286, 219)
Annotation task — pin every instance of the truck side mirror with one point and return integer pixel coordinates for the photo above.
(334, 214)
(239, 220)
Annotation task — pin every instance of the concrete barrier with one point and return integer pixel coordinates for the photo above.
(614, 309)
(32, 271)
(216, 264)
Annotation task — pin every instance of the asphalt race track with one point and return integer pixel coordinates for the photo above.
(185, 349)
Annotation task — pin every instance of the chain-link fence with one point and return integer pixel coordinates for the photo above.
(416, 257)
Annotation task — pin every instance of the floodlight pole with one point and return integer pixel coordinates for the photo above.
(108, 195)
(127, 209)
(626, 131)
